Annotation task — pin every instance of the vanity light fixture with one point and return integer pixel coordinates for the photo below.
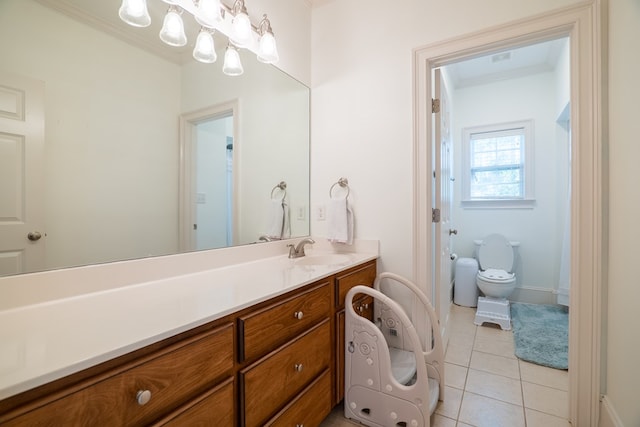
(212, 15)
(209, 13)
(241, 33)
(205, 49)
(267, 49)
(232, 65)
(134, 12)
(172, 32)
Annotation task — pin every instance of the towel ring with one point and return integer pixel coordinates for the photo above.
(342, 182)
(283, 187)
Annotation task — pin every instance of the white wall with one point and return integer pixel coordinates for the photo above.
(538, 229)
(622, 332)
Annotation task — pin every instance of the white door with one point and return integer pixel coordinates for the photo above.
(21, 174)
(443, 200)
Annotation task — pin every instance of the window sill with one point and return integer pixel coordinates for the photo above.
(499, 204)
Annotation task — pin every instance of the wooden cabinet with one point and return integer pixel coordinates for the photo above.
(278, 363)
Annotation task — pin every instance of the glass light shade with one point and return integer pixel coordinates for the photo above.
(267, 49)
(241, 30)
(232, 65)
(208, 13)
(205, 50)
(134, 12)
(172, 32)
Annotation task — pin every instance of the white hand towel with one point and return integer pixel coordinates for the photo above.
(286, 222)
(275, 219)
(339, 222)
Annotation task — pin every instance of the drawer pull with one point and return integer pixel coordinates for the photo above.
(299, 425)
(143, 397)
(298, 367)
(298, 315)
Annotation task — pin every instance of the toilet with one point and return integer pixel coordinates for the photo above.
(495, 279)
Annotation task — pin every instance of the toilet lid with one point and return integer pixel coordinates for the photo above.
(495, 252)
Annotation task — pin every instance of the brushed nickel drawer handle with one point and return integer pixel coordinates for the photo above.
(298, 367)
(298, 315)
(143, 397)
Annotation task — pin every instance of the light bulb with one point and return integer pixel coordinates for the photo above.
(232, 65)
(172, 32)
(205, 50)
(134, 12)
(241, 29)
(208, 13)
(267, 49)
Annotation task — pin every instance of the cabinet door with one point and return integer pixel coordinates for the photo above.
(364, 275)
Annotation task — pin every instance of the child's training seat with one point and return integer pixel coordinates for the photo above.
(392, 378)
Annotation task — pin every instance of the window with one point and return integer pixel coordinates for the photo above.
(498, 165)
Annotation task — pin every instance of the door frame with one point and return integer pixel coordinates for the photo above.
(188, 122)
(583, 24)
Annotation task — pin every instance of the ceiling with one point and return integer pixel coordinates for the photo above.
(526, 60)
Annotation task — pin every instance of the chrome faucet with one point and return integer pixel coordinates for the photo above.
(298, 251)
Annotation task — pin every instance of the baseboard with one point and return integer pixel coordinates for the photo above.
(608, 415)
(533, 295)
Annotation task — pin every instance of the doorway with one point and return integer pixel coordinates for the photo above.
(581, 25)
(208, 175)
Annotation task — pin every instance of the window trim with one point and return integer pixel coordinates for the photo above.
(528, 200)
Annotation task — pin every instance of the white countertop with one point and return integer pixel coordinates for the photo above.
(48, 340)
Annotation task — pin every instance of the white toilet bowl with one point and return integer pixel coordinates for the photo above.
(496, 283)
(495, 258)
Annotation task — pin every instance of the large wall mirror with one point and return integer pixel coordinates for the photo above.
(143, 151)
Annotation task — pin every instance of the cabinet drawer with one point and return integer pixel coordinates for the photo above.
(213, 408)
(310, 407)
(365, 275)
(171, 376)
(266, 329)
(272, 382)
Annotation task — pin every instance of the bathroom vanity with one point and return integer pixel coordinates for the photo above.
(262, 356)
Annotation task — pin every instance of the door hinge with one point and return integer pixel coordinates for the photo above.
(195, 226)
(435, 105)
(435, 215)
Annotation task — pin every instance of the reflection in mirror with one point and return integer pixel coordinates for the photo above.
(101, 165)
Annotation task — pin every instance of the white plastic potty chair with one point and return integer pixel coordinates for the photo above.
(390, 379)
(496, 280)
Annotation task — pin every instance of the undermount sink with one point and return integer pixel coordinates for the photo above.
(324, 259)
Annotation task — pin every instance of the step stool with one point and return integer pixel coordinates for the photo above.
(494, 310)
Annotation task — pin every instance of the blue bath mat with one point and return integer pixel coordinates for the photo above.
(541, 334)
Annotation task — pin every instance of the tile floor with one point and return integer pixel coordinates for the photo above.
(486, 385)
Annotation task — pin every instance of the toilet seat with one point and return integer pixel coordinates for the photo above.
(496, 275)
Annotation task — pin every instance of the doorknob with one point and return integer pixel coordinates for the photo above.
(34, 236)
(451, 231)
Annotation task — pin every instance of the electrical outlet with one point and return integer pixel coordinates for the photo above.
(321, 214)
(302, 213)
